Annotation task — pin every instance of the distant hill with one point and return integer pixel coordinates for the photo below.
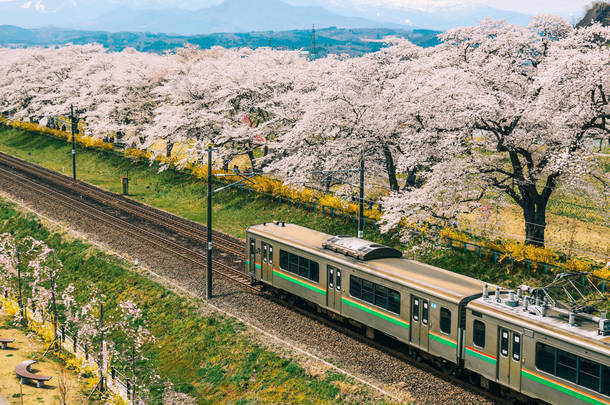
(331, 40)
(200, 17)
(598, 12)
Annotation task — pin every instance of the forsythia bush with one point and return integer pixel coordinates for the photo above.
(522, 253)
(519, 252)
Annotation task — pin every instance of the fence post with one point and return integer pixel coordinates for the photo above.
(480, 253)
(465, 246)
(528, 264)
(546, 268)
(604, 287)
(495, 257)
(451, 243)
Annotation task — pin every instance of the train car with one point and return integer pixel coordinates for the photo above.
(368, 284)
(543, 352)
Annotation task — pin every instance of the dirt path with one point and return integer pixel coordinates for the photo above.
(31, 348)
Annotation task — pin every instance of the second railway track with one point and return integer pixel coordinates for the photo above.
(150, 214)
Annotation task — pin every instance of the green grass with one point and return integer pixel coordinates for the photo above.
(233, 210)
(208, 357)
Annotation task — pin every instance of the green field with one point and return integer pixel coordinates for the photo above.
(210, 357)
(234, 210)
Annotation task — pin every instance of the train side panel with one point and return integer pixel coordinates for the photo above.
(560, 373)
(357, 305)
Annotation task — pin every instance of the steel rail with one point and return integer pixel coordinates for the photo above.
(140, 233)
(151, 214)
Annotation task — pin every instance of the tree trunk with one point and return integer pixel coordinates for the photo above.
(251, 157)
(411, 181)
(535, 222)
(390, 168)
(169, 147)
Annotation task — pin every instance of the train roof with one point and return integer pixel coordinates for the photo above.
(555, 323)
(443, 283)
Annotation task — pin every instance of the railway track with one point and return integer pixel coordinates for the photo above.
(151, 238)
(233, 275)
(150, 214)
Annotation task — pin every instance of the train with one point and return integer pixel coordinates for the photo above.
(506, 341)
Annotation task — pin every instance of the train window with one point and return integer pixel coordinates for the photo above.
(545, 358)
(445, 321)
(566, 365)
(415, 309)
(331, 276)
(314, 271)
(300, 265)
(355, 286)
(270, 254)
(394, 301)
(264, 252)
(516, 347)
(424, 312)
(504, 343)
(338, 280)
(478, 334)
(368, 291)
(589, 374)
(606, 380)
(381, 296)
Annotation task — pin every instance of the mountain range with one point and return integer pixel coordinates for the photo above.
(354, 41)
(190, 17)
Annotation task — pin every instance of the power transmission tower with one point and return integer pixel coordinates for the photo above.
(313, 42)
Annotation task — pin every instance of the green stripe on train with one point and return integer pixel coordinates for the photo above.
(480, 356)
(299, 282)
(565, 390)
(443, 341)
(378, 314)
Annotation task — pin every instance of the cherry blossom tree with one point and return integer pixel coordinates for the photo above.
(347, 106)
(45, 268)
(10, 275)
(135, 328)
(515, 108)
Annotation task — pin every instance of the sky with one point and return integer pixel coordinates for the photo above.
(523, 6)
(563, 7)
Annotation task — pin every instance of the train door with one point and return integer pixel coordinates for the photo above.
(420, 320)
(333, 288)
(509, 358)
(252, 260)
(424, 326)
(266, 260)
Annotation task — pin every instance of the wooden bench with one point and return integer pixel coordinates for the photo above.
(5, 342)
(23, 372)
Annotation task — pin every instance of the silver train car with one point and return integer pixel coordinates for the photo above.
(496, 337)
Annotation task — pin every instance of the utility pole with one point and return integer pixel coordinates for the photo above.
(133, 373)
(361, 213)
(245, 177)
(208, 273)
(22, 311)
(100, 357)
(74, 127)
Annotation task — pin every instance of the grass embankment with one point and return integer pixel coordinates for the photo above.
(234, 211)
(208, 356)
